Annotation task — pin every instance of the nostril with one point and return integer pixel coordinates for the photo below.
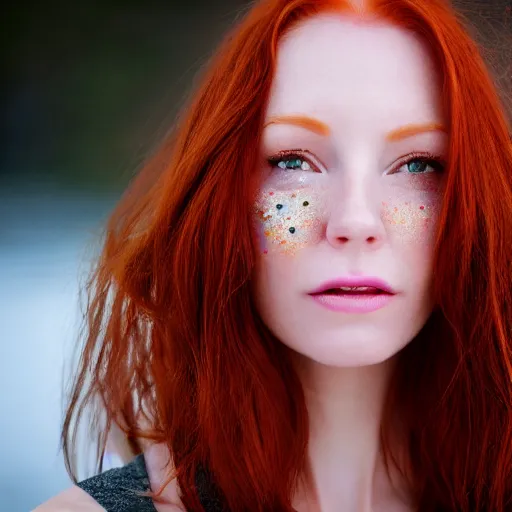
(371, 239)
(343, 239)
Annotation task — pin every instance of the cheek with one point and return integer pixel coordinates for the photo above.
(411, 221)
(412, 216)
(288, 221)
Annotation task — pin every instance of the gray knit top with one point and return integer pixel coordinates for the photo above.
(118, 489)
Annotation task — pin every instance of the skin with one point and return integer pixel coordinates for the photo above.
(368, 215)
(366, 86)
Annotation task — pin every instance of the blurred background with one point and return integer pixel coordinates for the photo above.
(89, 89)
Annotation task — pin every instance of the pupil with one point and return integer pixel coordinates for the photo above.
(293, 164)
(417, 166)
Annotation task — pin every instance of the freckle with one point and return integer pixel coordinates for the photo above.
(265, 251)
(395, 209)
(271, 193)
(294, 195)
(267, 233)
(288, 218)
(422, 207)
(283, 242)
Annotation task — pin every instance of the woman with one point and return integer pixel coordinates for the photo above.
(304, 302)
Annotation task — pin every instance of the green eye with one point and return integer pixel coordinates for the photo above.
(293, 164)
(422, 165)
(417, 166)
(291, 161)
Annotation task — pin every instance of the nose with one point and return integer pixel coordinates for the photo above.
(354, 217)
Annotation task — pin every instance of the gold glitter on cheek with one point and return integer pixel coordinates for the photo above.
(288, 221)
(411, 220)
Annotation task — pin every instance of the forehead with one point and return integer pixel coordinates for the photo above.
(333, 65)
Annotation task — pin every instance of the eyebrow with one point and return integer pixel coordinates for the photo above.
(410, 130)
(321, 128)
(309, 123)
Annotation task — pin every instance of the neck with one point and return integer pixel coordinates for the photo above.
(345, 465)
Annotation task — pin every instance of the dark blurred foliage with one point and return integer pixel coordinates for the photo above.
(89, 87)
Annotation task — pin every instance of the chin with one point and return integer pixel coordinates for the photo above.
(350, 347)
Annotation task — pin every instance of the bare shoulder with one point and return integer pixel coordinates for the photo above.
(158, 465)
(71, 500)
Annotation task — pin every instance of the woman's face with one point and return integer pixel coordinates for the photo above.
(346, 213)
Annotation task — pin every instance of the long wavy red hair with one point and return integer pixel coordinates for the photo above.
(175, 351)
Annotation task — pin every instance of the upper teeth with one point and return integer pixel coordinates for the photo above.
(356, 288)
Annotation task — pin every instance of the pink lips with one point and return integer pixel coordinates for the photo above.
(354, 294)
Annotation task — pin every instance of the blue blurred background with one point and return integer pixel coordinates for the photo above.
(88, 89)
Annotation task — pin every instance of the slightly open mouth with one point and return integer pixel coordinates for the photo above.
(353, 290)
(353, 299)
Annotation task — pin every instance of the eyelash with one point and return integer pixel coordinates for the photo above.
(434, 161)
(292, 154)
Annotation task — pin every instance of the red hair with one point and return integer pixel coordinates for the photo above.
(173, 333)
